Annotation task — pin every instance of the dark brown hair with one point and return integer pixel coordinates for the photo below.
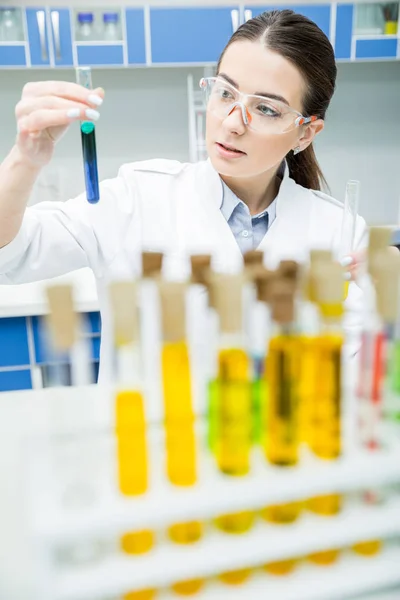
(305, 45)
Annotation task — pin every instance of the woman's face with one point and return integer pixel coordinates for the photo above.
(252, 68)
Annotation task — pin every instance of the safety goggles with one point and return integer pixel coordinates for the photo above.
(258, 112)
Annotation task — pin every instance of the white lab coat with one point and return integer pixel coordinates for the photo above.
(164, 205)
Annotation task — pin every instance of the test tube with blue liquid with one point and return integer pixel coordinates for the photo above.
(88, 136)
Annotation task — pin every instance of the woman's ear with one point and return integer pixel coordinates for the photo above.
(309, 132)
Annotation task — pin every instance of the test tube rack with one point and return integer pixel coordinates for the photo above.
(44, 432)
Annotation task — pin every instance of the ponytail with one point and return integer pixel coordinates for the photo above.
(305, 170)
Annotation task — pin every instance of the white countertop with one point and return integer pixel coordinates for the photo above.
(30, 298)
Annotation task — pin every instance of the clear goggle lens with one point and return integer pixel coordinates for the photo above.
(258, 113)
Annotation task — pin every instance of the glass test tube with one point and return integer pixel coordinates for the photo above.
(349, 220)
(84, 78)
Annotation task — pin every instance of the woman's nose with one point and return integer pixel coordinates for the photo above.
(235, 119)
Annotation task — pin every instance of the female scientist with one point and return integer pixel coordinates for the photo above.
(259, 188)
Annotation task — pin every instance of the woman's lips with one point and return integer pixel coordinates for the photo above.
(227, 151)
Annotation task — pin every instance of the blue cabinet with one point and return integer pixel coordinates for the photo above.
(135, 37)
(376, 48)
(344, 31)
(61, 37)
(319, 13)
(38, 36)
(190, 35)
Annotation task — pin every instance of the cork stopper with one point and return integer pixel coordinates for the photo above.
(62, 318)
(173, 310)
(227, 297)
(201, 264)
(263, 281)
(328, 287)
(318, 256)
(253, 257)
(151, 264)
(123, 299)
(387, 284)
(282, 301)
(289, 269)
(379, 239)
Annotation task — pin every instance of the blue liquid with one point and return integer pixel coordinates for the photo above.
(90, 162)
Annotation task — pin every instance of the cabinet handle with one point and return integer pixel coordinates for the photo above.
(248, 14)
(55, 23)
(235, 19)
(41, 23)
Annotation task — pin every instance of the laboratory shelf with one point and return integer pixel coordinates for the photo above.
(219, 552)
(214, 493)
(349, 576)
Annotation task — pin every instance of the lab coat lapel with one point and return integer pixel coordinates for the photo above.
(227, 256)
(287, 238)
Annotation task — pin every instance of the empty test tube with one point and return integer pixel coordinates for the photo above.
(84, 77)
(350, 211)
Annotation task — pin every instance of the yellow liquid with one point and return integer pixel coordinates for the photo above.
(131, 443)
(236, 522)
(234, 413)
(235, 577)
(188, 588)
(233, 427)
(132, 462)
(281, 445)
(137, 542)
(186, 533)
(325, 435)
(180, 435)
(282, 567)
(140, 595)
(325, 558)
(369, 548)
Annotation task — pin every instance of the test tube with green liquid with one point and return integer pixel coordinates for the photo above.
(88, 136)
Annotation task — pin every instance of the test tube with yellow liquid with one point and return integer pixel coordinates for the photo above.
(281, 444)
(180, 435)
(325, 418)
(233, 401)
(130, 423)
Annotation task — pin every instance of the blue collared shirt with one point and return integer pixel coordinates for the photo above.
(248, 230)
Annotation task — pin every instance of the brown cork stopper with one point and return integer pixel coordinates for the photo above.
(173, 310)
(318, 259)
(282, 300)
(62, 318)
(253, 257)
(263, 281)
(151, 264)
(289, 269)
(387, 284)
(201, 264)
(227, 298)
(123, 299)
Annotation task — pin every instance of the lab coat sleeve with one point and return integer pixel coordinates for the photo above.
(353, 320)
(58, 237)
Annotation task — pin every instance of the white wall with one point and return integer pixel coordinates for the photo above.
(145, 115)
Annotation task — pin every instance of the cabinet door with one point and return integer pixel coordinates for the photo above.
(344, 31)
(135, 38)
(190, 35)
(61, 36)
(319, 13)
(12, 38)
(38, 36)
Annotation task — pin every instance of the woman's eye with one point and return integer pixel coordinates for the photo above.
(224, 93)
(268, 111)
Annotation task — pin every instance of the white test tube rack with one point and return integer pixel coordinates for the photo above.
(33, 523)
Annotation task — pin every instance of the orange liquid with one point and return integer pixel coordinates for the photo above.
(281, 567)
(140, 595)
(188, 588)
(235, 577)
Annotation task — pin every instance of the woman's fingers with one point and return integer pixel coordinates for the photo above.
(45, 118)
(29, 105)
(64, 89)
